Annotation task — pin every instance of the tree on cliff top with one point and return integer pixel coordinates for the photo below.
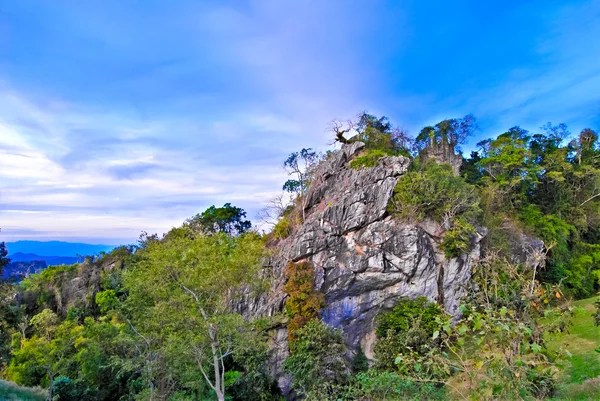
(227, 219)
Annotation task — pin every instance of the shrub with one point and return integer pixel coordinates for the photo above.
(457, 240)
(304, 302)
(282, 229)
(406, 313)
(433, 191)
(107, 300)
(389, 386)
(369, 159)
(360, 362)
(316, 361)
(405, 339)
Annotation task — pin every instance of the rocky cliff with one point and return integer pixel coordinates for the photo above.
(365, 260)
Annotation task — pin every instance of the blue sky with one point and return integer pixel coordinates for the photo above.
(122, 116)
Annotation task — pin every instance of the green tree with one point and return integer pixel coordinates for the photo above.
(433, 191)
(451, 133)
(317, 361)
(183, 289)
(360, 362)
(300, 164)
(4, 260)
(45, 355)
(227, 219)
(378, 134)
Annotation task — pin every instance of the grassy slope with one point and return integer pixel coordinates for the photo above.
(10, 391)
(579, 378)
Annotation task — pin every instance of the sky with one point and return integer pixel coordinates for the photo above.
(122, 116)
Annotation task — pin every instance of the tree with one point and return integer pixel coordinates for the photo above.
(299, 164)
(227, 219)
(379, 134)
(316, 361)
(433, 191)
(452, 132)
(48, 351)
(3, 257)
(276, 208)
(183, 291)
(360, 362)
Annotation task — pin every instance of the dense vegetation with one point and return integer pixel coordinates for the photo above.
(161, 320)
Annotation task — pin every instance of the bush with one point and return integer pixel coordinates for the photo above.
(65, 389)
(433, 191)
(304, 302)
(405, 338)
(369, 159)
(406, 313)
(360, 363)
(316, 361)
(282, 229)
(107, 300)
(457, 240)
(389, 386)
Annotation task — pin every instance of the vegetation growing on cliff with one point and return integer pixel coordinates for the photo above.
(165, 322)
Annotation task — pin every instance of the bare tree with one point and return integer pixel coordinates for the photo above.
(274, 209)
(340, 128)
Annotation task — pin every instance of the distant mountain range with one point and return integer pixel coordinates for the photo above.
(27, 257)
(58, 248)
(50, 260)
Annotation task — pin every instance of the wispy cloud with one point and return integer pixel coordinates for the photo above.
(116, 119)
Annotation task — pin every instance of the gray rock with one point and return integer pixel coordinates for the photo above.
(365, 260)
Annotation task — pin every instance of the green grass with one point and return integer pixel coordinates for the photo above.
(11, 392)
(579, 378)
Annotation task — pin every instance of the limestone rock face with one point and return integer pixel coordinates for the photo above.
(365, 260)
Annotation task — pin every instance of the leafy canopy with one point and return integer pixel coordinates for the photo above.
(227, 219)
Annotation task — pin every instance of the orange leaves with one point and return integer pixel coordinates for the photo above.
(304, 302)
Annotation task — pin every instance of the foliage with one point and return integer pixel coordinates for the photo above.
(580, 370)
(369, 159)
(12, 392)
(301, 165)
(499, 345)
(433, 191)
(316, 362)
(405, 337)
(551, 190)
(10, 316)
(3, 256)
(66, 389)
(378, 134)
(304, 302)
(181, 291)
(283, 228)
(389, 386)
(107, 300)
(254, 382)
(227, 219)
(406, 313)
(452, 132)
(360, 362)
(457, 240)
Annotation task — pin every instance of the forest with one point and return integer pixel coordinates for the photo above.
(166, 318)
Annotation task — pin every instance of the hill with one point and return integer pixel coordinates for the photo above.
(57, 248)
